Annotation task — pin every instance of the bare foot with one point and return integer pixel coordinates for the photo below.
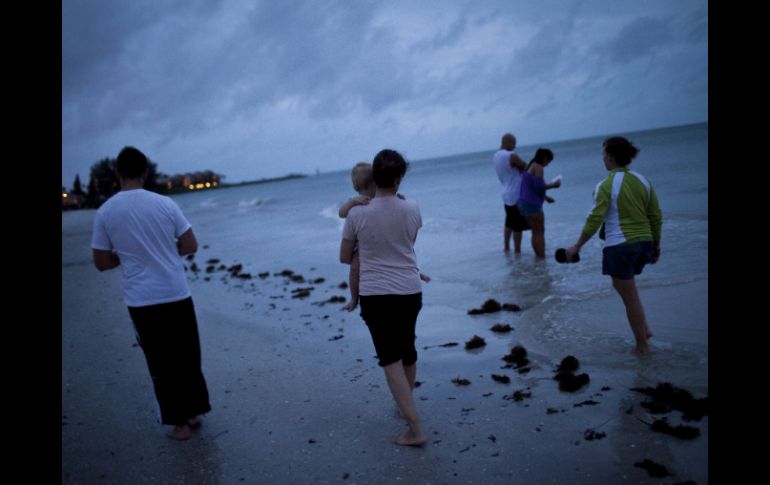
(641, 350)
(410, 438)
(194, 423)
(180, 433)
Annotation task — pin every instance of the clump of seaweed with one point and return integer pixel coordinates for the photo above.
(489, 306)
(654, 469)
(493, 306)
(565, 374)
(680, 431)
(591, 435)
(570, 382)
(568, 364)
(667, 396)
(475, 343)
(517, 359)
(519, 395)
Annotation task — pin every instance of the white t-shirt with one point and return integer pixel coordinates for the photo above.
(510, 177)
(386, 229)
(143, 228)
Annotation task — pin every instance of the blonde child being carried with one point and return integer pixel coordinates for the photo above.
(363, 183)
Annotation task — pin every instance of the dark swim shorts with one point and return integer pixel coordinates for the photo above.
(391, 320)
(626, 260)
(514, 220)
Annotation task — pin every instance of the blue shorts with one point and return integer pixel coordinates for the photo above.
(529, 209)
(626, 260)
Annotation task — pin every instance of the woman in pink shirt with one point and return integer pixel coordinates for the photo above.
(389, 287)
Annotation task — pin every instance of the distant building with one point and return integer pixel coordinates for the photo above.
(70, 200)
(191, 181)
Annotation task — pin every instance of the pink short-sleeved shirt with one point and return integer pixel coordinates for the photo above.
(385, 230)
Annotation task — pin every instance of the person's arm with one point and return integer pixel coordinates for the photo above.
(595, 218)
(538, 171)
(104, 260)
(346, 251)
(517, 162)
(655, 217)
(570, 251)
(345, 208)
(656, 254)
(187, 244)
(549, 199)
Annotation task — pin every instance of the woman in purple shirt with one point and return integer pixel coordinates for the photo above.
(532, 195)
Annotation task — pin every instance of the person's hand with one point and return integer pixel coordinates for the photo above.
(656, 255)
(549, 199)
(361, 200)
(400, 196)
(352, 304)
(570, 252)
(556, 185)
(425, 277)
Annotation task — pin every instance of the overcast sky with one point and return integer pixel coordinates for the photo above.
(254, 89)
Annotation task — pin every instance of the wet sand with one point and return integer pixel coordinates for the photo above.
(293, 402)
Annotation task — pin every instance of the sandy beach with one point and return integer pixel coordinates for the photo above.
(297, 395)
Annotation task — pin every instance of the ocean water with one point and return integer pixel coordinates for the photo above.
(267, 355)
(294, 224)
(567, 308)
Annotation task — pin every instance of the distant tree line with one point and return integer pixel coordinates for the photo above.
(103, 183)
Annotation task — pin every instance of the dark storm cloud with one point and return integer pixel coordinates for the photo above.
(638, 39)
(696, 25)
(543, 52)
(203, 80)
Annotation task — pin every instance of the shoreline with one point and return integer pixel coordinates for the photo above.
(293, 403)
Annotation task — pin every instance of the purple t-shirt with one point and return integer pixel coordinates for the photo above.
(386, 229)
(532, 190)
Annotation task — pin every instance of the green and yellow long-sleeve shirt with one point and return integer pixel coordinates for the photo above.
(627, 205)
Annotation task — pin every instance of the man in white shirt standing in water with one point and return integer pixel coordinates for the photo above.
(509, 166)
(146, 234)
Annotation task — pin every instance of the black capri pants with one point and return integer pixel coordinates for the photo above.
(168, 335)
(391, 320)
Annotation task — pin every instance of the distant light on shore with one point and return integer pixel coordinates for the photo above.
(202, 185)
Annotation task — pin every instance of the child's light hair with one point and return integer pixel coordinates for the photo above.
(362, 176)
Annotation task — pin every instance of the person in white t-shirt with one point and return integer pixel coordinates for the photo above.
(509, 166)
(390, 289)
(146, 234)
